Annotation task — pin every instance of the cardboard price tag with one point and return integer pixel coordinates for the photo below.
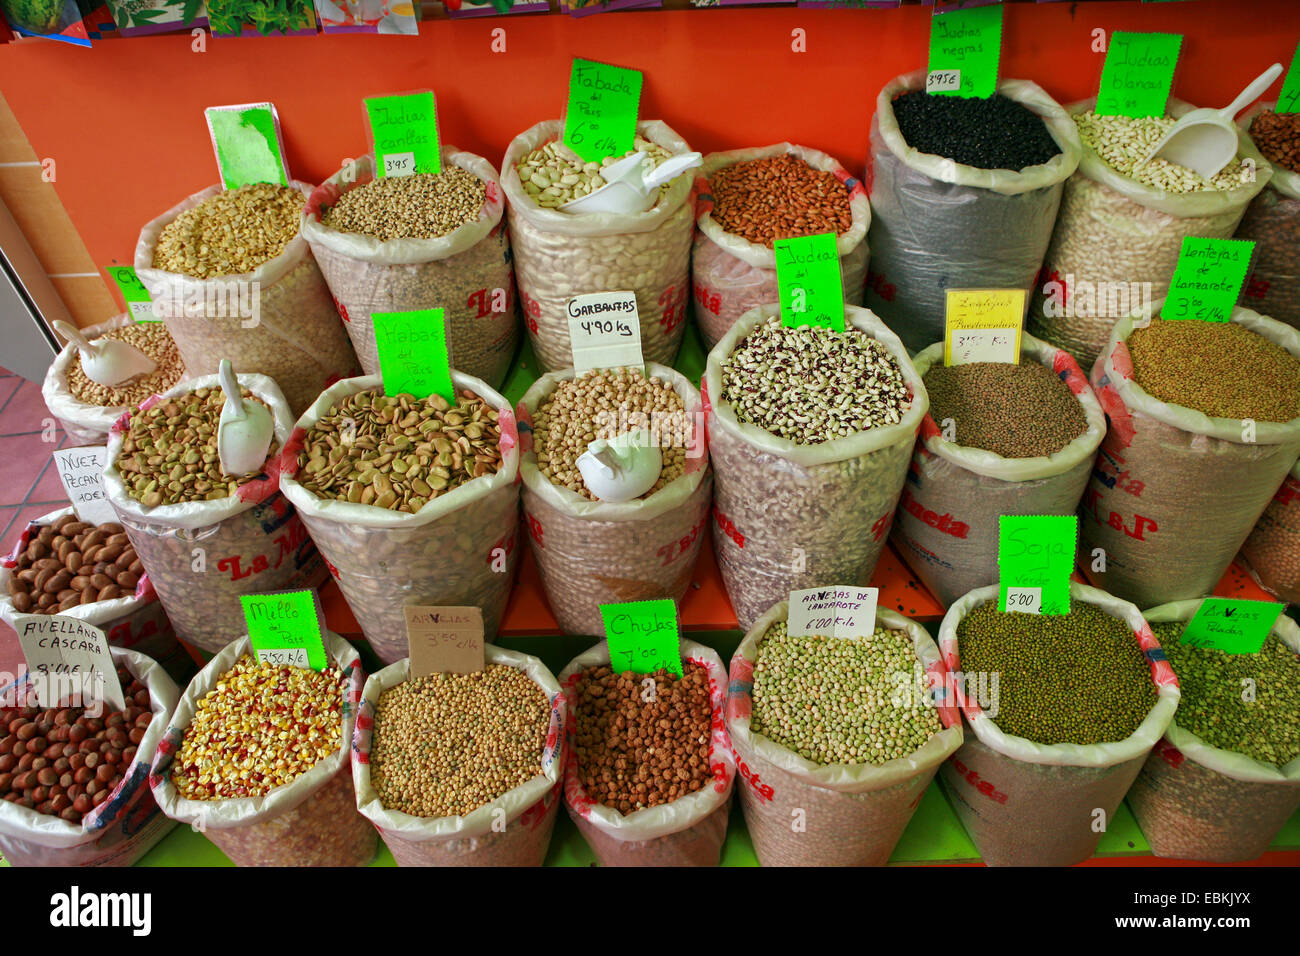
(444, 640)
(1231, 626)
(600, 119)
(983, 325)
(284, 628)
(1025, 600)
(134, 293)
(82, 472)
(643, 636)
(808, 281)
(413, 356)
(69, 660)
(404, 133)
(967, 43)
(1037, 551)
(1208, 278)
(605, 331)
(1288, 101)
(246, 140)
(832, 612)
(1138, 74)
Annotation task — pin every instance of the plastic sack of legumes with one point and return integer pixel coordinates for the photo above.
(559, 255)
(277, 320)
(1272, 551)
(466, 273)
(1272, 220)
(202, 555)
(125, 826)
(687, 831)
(512, 830)
(790, 516)
(134, 621)
(459, 549)
(310, 821)
(1117, 241)
(731, 275)
(937, 224)
(1194, 801)
(599, 552)
(1175, 493)
(854, 814)
(947, 521)
(1029, 804)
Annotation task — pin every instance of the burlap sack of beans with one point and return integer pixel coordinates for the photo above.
(591, 553)
(853, 814)
(512, 830)
(459, 549)
(1272, 551)
(687, 831)
(1272, 221)
(294, 334)
(1116, 244)
(947, 521)
(466, 273)
(1029, 804)
(310, 821)
(202, 555)
(1174, 492)
(790, 516)
(938, 225)
(559, 255)
(731, 275)
(1194, 801)
(134, 621)
(124, 827)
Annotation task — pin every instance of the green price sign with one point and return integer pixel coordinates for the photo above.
(1138, 74)
(808, 281)
(1036, 553)
(404, 133)
(642, 636)
(413, 355)
(247, 143)
(965, 46)
(1207, 280)
(1288, 101)
(601, 116)
(285, 628)
(1234, 627)
(133, 292)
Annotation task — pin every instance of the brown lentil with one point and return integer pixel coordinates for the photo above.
(230, 233)
(447, 744)
(1221, 369)
(779, 197)
(423, 206)
(1277, 135)
(70, 562)
(151, 338)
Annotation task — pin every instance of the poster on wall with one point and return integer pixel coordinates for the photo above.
(390, 17)
(261, 17)
(56, 19)
(142, 17)
(457, 9)
(584, 8)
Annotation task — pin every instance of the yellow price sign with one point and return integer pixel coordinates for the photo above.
(983, 325)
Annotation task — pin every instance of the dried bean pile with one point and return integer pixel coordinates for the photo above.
(1016, 411)
(399, 452)
(551, 178)
(1221, 369)
(230, 233)
(71, 562)
(423, 206)
(842, 700)
(1076, 678)
(637, 747)
(1214, 707)
(779, 197)
(1123, 143)
(151, 338)
(62, 762)
(446, 744)
(993, 133)
(813, 385)
(1277, 135)
(605, 403)
(169, 453)
(259, 728)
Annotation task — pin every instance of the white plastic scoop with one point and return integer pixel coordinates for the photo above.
(622, 469)
(631, 182)
(1205, 140)
(245, 430)
(106, 362)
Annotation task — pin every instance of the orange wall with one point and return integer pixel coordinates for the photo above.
(124, 120)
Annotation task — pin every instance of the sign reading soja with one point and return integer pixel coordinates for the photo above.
(1068, 298)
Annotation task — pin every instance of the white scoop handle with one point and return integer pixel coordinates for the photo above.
(234, 407)
(671, 168)
(73, 335)
(1252, 92)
